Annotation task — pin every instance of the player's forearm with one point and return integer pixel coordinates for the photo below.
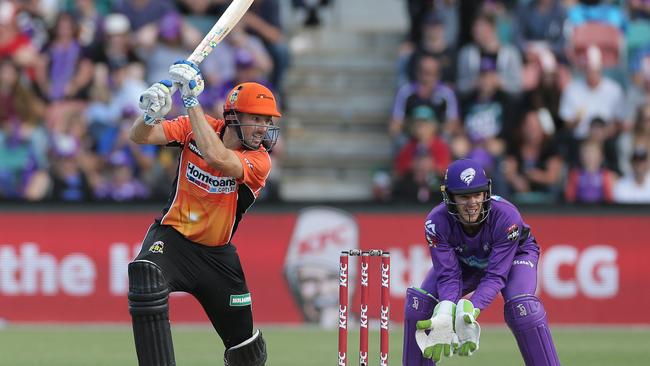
(139, 131)
(209, 143)
(487, 290)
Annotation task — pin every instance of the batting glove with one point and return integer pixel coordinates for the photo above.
(441, 340)
(467, 328)
(188, 77)
(156, 102)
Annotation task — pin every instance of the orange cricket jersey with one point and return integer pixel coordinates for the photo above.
(205, 205)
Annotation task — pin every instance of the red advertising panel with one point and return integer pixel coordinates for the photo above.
(71, 267)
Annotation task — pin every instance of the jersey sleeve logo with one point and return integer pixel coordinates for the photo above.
(513, 232)
(430, 233)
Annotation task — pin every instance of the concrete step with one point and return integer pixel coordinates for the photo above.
(343, 103)
(342, 79)
(305, 188)
(296, 126)
(328, 41)
(338, 162)
(354, 61)
(338, 143)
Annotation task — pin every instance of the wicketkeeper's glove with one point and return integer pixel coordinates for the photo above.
(467, 328)
(441, 340)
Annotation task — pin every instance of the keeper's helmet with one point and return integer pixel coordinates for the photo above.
(466, 176)
(252, 98)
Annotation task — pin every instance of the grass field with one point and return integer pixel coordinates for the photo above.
(113, 345)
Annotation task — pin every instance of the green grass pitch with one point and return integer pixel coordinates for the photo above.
(288, 346)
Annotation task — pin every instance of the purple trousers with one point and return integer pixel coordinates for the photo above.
(523, 312)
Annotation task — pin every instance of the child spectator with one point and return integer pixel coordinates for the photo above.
(592, 182)
(635, 187)
(421, 163)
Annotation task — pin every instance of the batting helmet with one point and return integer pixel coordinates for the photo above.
(252, 98)
(466, 176)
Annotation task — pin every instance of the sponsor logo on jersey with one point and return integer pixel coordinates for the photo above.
(208, 182)
(248, 163)
(473, 261)
(520, 262)
(513, 232)
(195, 149)
(157, 247)
(240, 300)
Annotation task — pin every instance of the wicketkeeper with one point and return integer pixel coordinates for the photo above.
(479, 243)
(222, 168)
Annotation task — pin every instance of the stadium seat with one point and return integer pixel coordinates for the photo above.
(608, 38)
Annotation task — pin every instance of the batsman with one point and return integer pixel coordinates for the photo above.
(222, 167)
(479, 244)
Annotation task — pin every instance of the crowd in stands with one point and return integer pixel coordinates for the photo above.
(72, 71)
(551, 96)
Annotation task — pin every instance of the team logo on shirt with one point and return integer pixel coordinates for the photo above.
(513, 232)
(430, 233)
(157, 247)
(468, 175)
(208, 182)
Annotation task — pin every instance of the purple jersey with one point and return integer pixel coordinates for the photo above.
(480, 262)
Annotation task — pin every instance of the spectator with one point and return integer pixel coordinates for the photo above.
(72, 178)
(142, 13)
(641, 131)
(309, 11)
(13, 42)
(598, 134)
(487, 114)
(592, 182)
(426, 89)
(533, 166)
(121, 183)
(540, 23)
(486, 46)
(116, 48)
(63, 72)
(32, 18)
(596, 11)
(594, 96)
(550, 79)
(420, 164)
(635, 187)
(90, 17)
(172, 45)
(220, 67)
(263, 21)
(23, 140)
(247, 68)
(432, 43)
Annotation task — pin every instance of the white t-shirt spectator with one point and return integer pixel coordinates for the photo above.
(627, 190)
(605, 101)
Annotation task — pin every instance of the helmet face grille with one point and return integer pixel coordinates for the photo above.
(268, 141)
(466, 176)
(452, 207)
